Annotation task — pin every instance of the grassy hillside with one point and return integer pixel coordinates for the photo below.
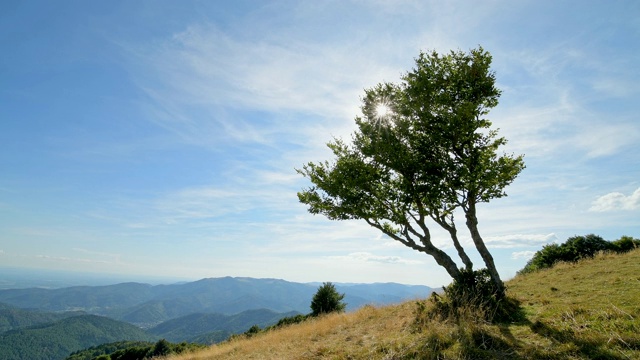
(588, 310)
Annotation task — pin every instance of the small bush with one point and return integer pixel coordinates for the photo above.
(291, 320)
(472, 296)
(255, 329)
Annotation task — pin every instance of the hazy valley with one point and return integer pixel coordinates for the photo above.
(207, 311)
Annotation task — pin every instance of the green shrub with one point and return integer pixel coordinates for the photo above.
(472, 296)
(326, 300)
(625, 243)
(291, 320)
(162, 347)
(576, 248)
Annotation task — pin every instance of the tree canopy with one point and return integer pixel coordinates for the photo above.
(326, 300)
(423, 149)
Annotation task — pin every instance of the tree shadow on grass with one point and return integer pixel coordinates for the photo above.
(586, 348)
(481, 343)
(476, 339)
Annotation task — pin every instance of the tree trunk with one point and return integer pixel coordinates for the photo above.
(463, 255)
(438, 255)
(472, 224)
(427, 247)
(445, 261)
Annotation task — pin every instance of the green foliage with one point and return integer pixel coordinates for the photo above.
(432, 153)
(133, 353)
(624, 244)
(255, 329)
(290, 320)
(472, 295)
(162, 347)
(105, 350)
(12, 318)
(326, 300)
(130, 350)
(576, 248)
(57, 340)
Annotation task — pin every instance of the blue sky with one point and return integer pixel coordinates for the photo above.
(161, 137)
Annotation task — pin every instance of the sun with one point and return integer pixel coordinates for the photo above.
(382, 110)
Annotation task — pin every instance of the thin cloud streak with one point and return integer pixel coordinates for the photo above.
(369, 257)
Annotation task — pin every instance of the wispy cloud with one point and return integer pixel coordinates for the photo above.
(368, 257)
(114, 257)
(616, 201)
(66, 259)
(526, 255)
(210, 83)
(519, 240)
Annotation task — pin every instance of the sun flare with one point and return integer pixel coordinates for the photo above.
(382, 110)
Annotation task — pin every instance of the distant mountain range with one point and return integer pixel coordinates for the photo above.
(145, 305)
(205, 311)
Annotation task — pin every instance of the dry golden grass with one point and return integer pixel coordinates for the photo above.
(573, 311)
(334, 336)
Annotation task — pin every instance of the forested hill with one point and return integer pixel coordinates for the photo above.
(57, 321)
(58, 339)
(12, 317)
(212, 328)
(51, 336)
(146, 306)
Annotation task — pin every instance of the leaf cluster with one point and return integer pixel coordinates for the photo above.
(433, 152)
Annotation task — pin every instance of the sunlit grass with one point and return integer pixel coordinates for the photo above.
(572, 311)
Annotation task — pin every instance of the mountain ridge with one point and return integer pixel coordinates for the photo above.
(147, 305)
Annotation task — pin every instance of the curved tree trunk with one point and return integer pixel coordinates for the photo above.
(427, 247)
(453, 232)
(443, 260)
(472, 224)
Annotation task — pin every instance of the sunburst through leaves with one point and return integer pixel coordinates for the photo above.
(382, 112)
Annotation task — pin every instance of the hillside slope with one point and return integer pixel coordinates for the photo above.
(194, 326)
(12, 318)
(572, 311)
(146, 305)
(56, 340)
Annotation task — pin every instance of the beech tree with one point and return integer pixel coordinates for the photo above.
(423, 151)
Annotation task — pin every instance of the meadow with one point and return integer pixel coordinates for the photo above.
(584, 310)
